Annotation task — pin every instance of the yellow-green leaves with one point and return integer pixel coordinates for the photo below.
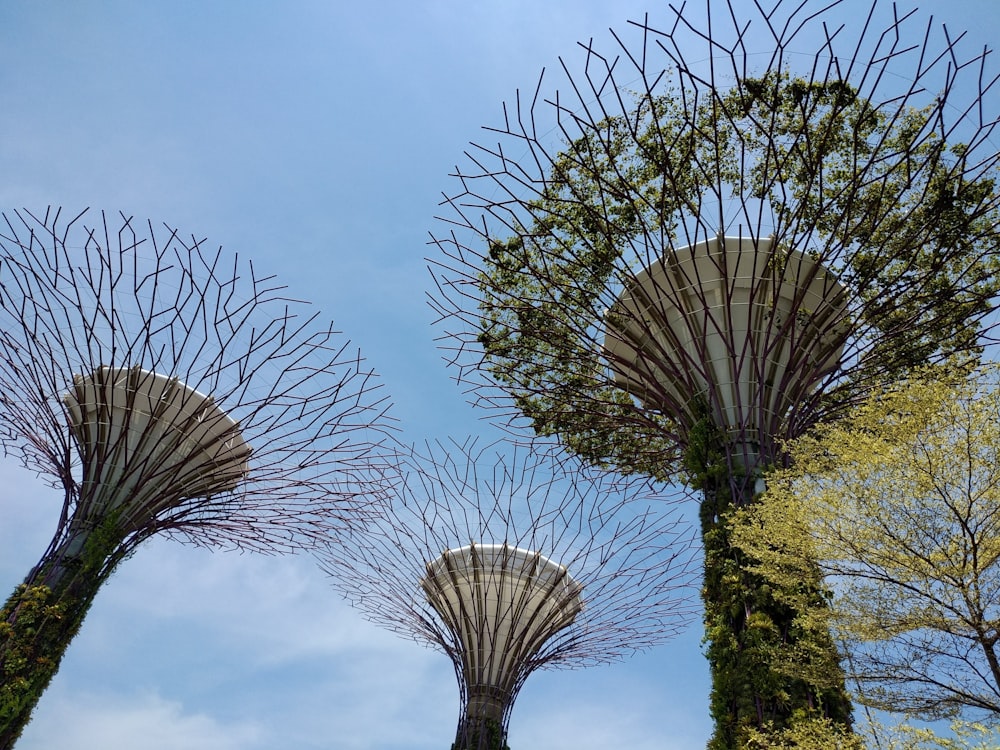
(900, 504)
(805, 732)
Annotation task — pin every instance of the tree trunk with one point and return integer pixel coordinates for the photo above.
(750, 635)
(37, 624)
(482, 724)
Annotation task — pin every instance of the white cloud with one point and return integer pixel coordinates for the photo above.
(98, 721)
(239, 652)
(622, 705)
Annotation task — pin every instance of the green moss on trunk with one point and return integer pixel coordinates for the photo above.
(43, 615)
(752, 635)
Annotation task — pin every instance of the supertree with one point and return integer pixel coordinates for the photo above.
(165, 388)
(723, 230)
(511, 559)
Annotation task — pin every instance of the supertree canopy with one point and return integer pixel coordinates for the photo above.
(165, 388)
(511, 560)
(727, 226)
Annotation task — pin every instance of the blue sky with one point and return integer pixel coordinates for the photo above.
(315, 138)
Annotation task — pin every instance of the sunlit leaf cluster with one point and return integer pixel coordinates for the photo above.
(900, 505)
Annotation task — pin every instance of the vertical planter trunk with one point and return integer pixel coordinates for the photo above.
(753, 640)
(729, 336)
(39, 621)
(482, 728)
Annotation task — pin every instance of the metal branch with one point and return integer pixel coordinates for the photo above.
(509, 560)
(165, 389)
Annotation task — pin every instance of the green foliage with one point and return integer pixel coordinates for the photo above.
(529, 334)
(805, 731)
(40, 620)
(874, 192)
(36, 628)
(27, 666)
(704, 462)
(767, 662)
(963, 735)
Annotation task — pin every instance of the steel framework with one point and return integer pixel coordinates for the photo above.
(165, 388)
(511, 560)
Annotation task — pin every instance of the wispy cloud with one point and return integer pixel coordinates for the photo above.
(97, 721)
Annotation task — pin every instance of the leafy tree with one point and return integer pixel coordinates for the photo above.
(900, 505)
(554, 253)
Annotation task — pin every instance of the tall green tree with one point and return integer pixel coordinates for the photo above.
(885, 198)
